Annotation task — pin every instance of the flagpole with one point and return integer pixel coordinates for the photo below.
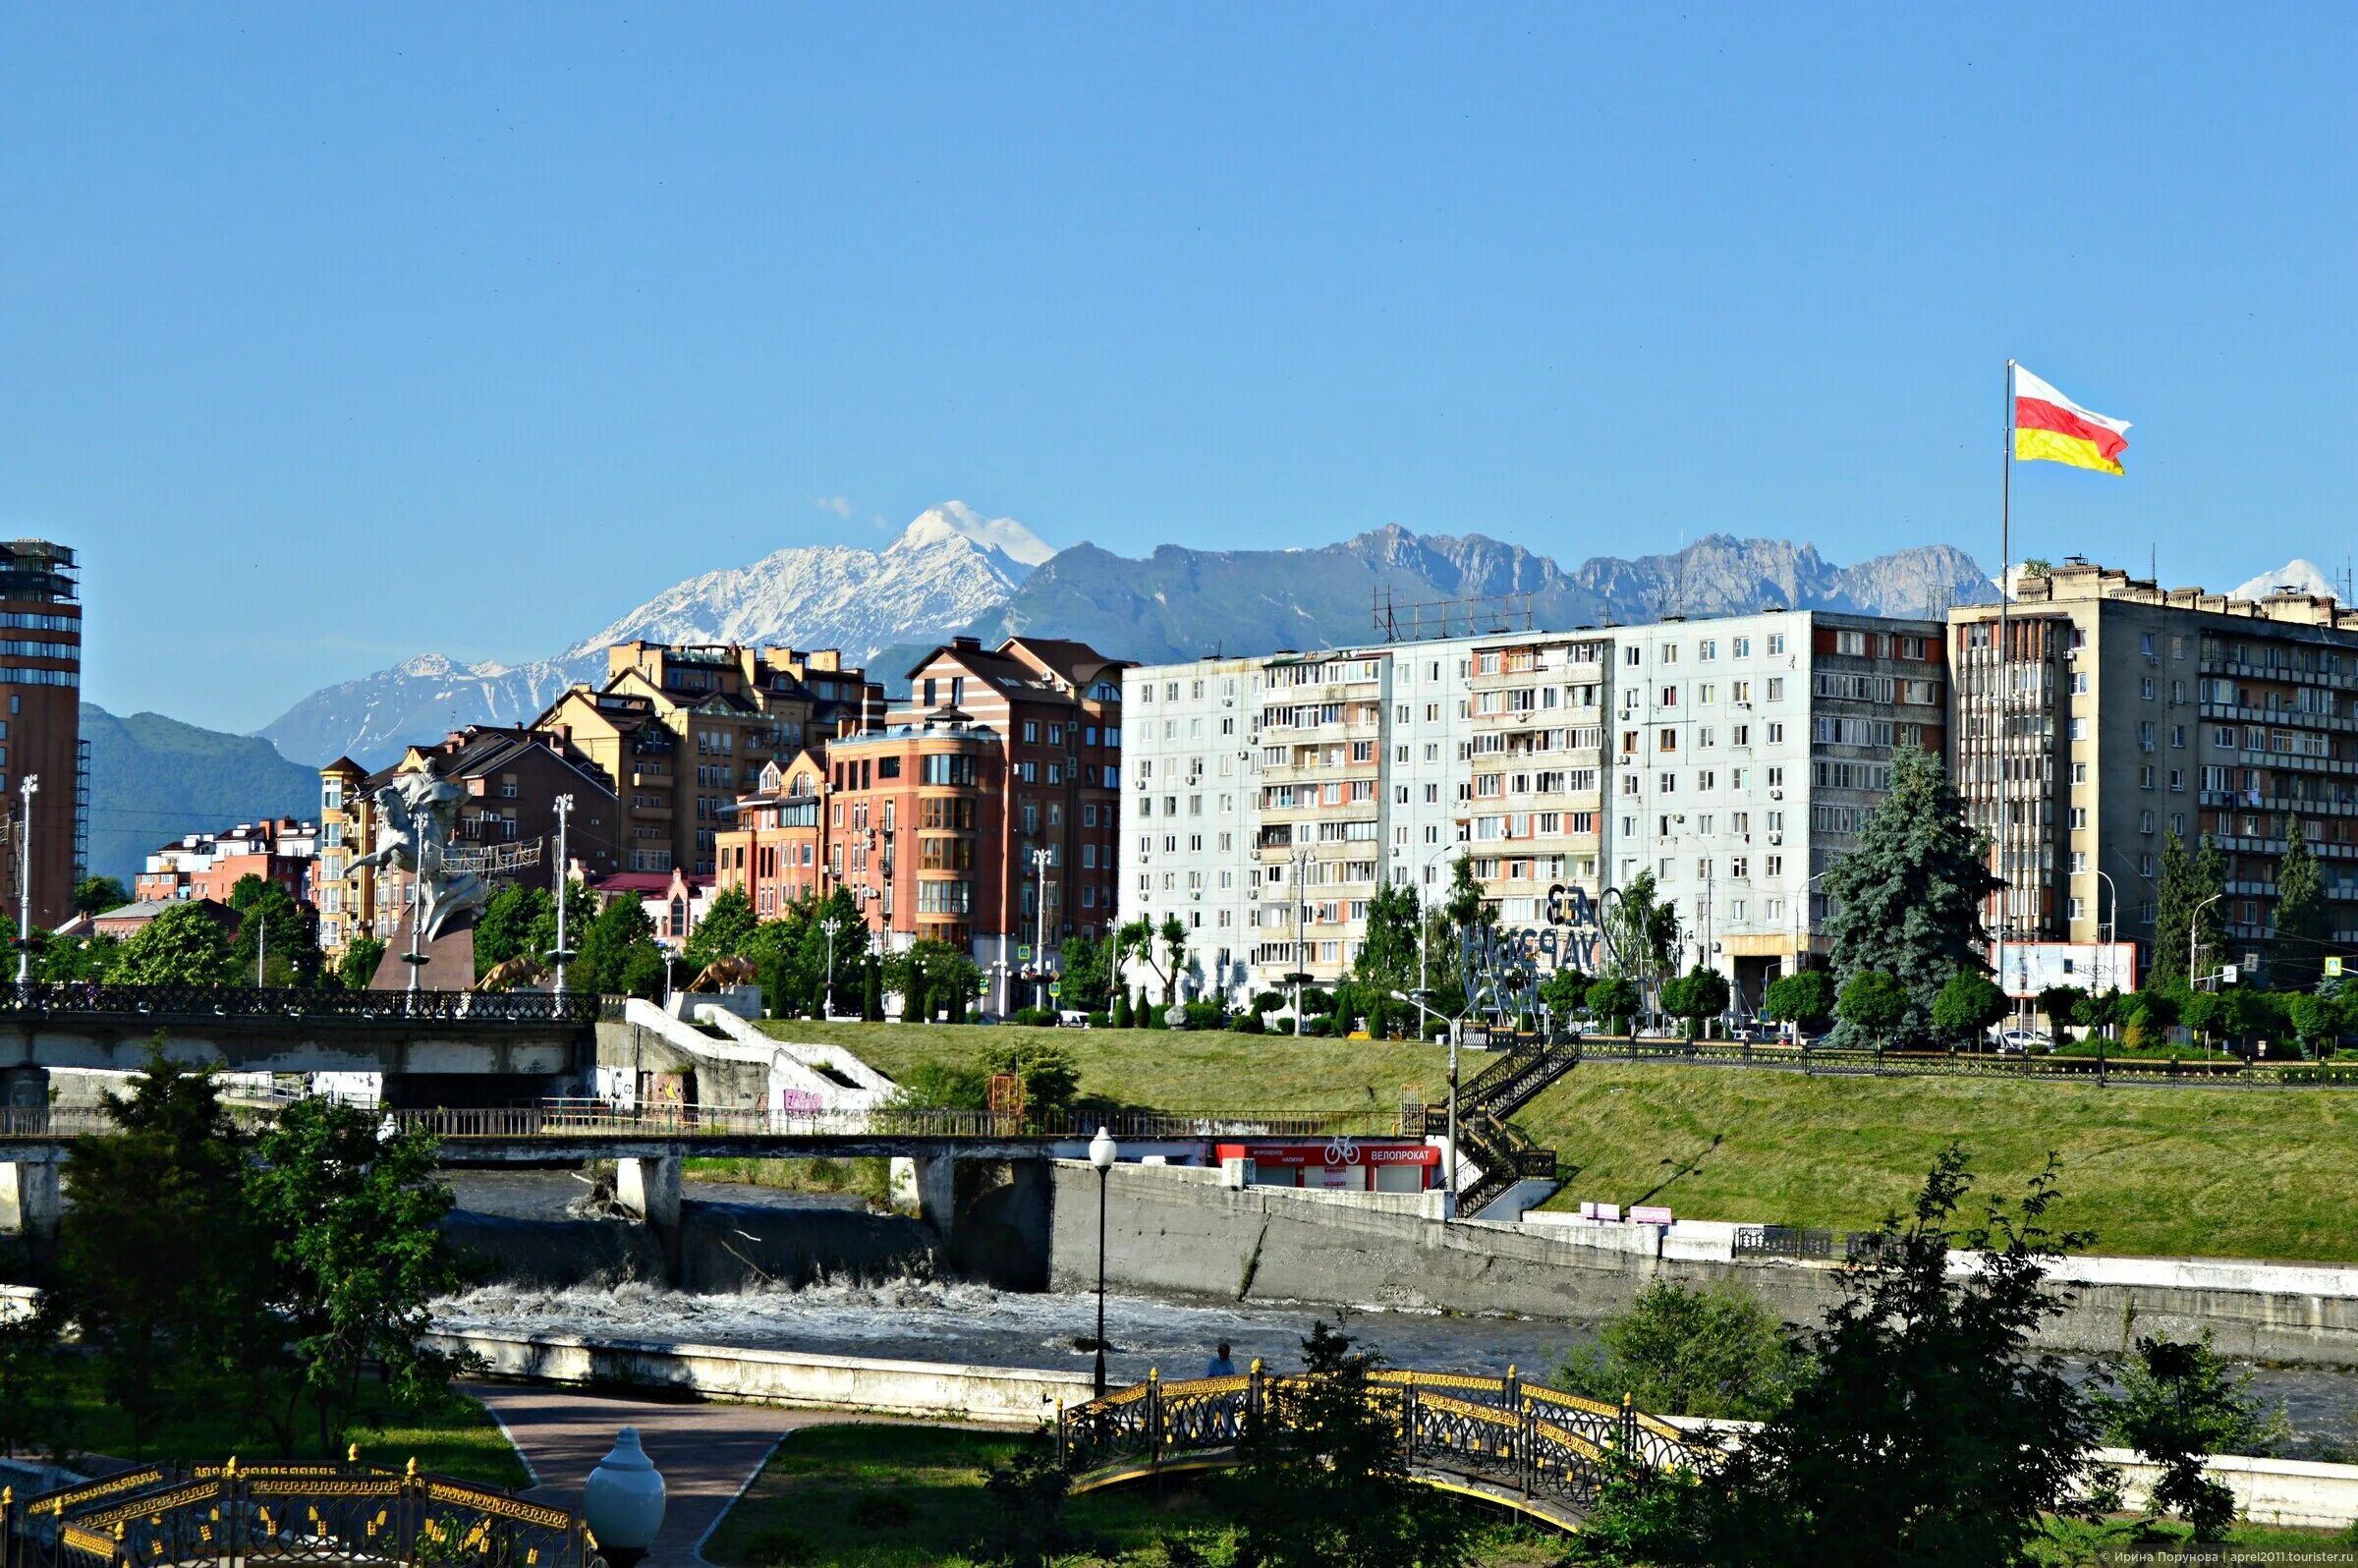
(2005, 596)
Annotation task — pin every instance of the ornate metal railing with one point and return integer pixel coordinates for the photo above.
(1547, 1445)
(231, 1514)
(167, 1002)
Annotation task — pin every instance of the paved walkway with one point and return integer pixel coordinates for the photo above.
(705, 1453)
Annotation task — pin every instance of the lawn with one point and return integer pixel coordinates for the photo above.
(906, 1496)
(455, 1437)
(2215, 1171)
(1210, 1070)
(2212, 1173)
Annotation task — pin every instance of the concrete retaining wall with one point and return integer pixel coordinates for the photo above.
(1197, 1239)
(1002, 1395)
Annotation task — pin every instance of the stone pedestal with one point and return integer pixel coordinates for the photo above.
(449, 961)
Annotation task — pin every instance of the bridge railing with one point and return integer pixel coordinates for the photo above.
(75, 998)
(581, 1118)
(1542, 1442)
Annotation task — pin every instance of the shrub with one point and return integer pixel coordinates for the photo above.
(1205, 1015)
(1036, 1017)
(1316, 1026)
(1874, 1003)
(1247, 1023)
(1316, 1002)
(1268, 1002)
(1100, 1020)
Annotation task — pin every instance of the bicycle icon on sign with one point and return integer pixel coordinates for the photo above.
(1343, 1149)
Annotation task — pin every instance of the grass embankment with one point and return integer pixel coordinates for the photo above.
(2217, 1172)
(1211, 1070)
(895, 1497)
(870, 1179)
(455, 1437)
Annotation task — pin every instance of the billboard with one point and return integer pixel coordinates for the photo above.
(2033, 966)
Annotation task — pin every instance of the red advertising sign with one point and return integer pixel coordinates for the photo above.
(1338, 1152)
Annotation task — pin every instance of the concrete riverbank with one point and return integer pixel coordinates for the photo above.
(1183, 1232)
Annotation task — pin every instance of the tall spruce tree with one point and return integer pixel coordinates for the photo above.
(2296, 960)
(2186, 893)
(1909, 895)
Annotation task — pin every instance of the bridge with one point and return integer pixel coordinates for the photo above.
(446, 1044)
(1522, 1446)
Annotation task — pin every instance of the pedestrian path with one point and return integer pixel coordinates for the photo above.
(705, 1453)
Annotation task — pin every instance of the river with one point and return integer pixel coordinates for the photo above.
(914, 1317)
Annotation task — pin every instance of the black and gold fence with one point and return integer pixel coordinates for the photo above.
(1529, 1439)
(231, 1514)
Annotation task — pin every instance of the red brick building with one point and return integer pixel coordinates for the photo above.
(938, 818)
(197, 866)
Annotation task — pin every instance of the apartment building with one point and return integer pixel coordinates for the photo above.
(939, 818)
(1733, 760)
(197, 866)
(40, 726)
(1745, 753)
(2116, 712)
(681, 731)
(513, 777)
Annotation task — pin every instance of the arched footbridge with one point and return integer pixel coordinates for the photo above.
(1524, 1446)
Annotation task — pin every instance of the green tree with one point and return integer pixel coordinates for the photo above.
(2061, 1005)
(291, 955)
(1641, 932)
(1046, 1071)
(1967, 1006)
(1387, 957)
(1875, 1004)
(872, 990)
(618, 952)
(156, 1261)
(1087, 973)
(1681, 1351)
(1698, 995)
(181, 947)
(1613, 1001)
(1908, 896)
(2296, 958)
(2187, 899)
(2316, 1019)
(353, 1218)
(1565, 991)
(1325, 1483)
(727, 925)
(76, 958)
(357, 964)
(508, 925)
(2179, 1403)
(1162, 948)
(1802, 998)
(1924, 1429)
(95, 895)
(1121, 1018)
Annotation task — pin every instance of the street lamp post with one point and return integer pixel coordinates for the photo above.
(1102, 1153)
(2194, 940)
(1425, 1012)
(827, 998)
(1041, 859)
(560, 955)
(30, 788)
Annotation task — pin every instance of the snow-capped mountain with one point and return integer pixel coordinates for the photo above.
(2300, 575)
(949, 568)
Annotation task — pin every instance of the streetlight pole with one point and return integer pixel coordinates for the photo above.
(2194, 939)
(1041, 859)
(1102, 1153)
(826, 997)
(1301, 862)
(28, 789)
(561, 954)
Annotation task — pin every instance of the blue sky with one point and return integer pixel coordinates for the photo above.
(535, 311)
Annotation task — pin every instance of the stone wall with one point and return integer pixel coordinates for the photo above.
(1171, 1234)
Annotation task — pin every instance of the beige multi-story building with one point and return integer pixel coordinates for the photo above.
(2127, 712)
(681, 732)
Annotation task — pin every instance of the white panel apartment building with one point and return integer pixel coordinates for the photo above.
(1732, 758)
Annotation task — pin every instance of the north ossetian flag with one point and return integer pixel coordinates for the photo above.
(2049, 426)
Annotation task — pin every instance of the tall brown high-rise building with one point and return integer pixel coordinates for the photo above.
(40, 725)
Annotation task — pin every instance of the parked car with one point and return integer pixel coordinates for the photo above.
(2020, 1042)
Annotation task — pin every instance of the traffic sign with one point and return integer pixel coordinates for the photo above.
(2333, 968)
(1023, 952)
(1055, 988)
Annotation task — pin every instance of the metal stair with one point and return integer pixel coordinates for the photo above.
(1488, 1099)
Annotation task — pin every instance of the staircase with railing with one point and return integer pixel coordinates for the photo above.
(1485, 1101)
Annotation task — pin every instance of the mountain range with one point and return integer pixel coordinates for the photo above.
(154, 778)
(953, 571)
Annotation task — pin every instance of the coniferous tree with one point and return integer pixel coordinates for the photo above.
(2187, 892)
(1909, 895)
(2296, 960)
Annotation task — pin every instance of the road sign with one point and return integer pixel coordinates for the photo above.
(1023, 952)
(1056, 988)
(2227, 975)
(2333, 968)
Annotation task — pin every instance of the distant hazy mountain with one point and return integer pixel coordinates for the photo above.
(153, 778)
(949, 567)
(1181, 603)
(2302, 576)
